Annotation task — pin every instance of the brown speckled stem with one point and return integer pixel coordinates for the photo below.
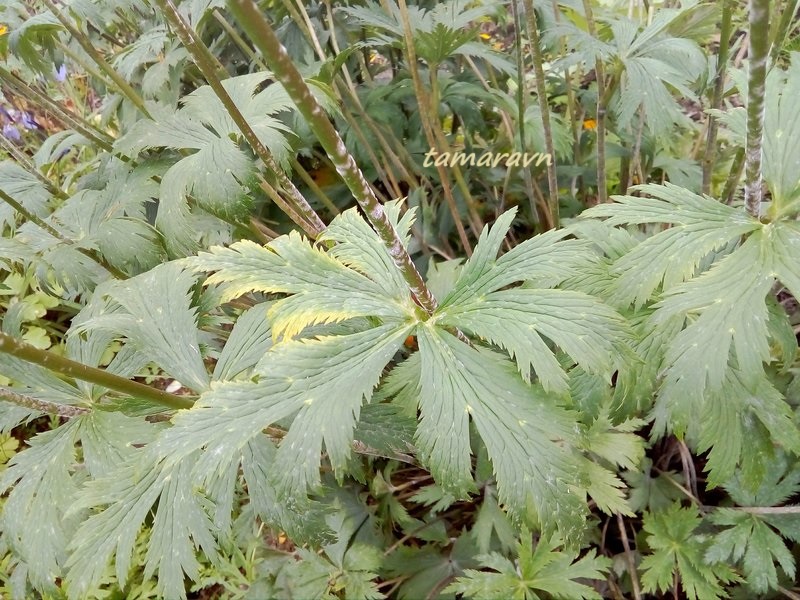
(261, 33)
(302, 213)
(52, 408)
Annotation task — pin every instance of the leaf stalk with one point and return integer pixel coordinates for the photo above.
(71, 368)
(261, 33)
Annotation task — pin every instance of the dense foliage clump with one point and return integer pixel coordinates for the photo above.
(258, 342)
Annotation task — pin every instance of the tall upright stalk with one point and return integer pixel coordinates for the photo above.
(756, 89)
(600, 120)
(783, 27)
(716, 100)
(521, 97)
(426, 104)
(301, 212)
(541, 92)
(119, 81)
(262, 35)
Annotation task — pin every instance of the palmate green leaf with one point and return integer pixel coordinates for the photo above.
(113, 220)
(653, 60)
(154, 312)
(731, 314)
(585, 328)
(748, 540)
(322, 381)
(654, 493)
(218, 169)
(323, 288)
(34, 40)
(527, 436)
(61, 269)
(546, 259)
(181, 525)
(699, 226)
(727, 311)
(781, 481)
(676, 548)
(25, 189)
(302, 383)
(250, 338)
(146, 48)
(44, 481)
(740, 424)
(618, 443)
(557, 573)
(426, 568)
(439, 32)
(518, 319)
(724, 312)
(40, 487)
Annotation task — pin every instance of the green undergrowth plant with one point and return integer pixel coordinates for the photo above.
(223, 376)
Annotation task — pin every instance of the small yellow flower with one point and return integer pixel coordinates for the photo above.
(590, 124)
(3, 29)
(486, 36)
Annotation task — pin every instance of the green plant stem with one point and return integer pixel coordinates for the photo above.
(602, 102)
(287, 208)
(475, 220)
(716, 99)
(424, 103)
(521, 95)
(309, 181)
(52, 408)
(783, 26)
(623, 534)
(26, 164)
(68, 119)
(70, 368)
(759, 52)
(84, 64)
(573, 110)
(261, 33)
(206, 62)
(59, 236)
(352, 121)
(123, 86)
(771, 510)
(237, 39)
(734, 176)
(541, 92)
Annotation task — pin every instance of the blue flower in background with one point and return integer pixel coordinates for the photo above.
(61, 73)
(11, 132)
(28, 121)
